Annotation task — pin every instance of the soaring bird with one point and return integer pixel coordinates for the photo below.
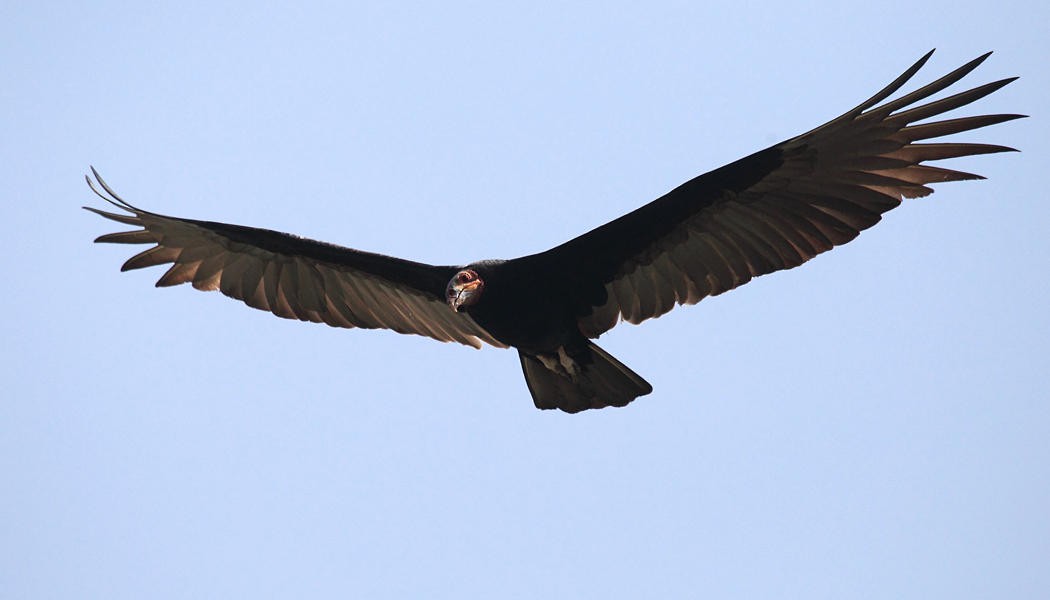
(769, 211)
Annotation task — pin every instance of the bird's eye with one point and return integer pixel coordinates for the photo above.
(466, 276)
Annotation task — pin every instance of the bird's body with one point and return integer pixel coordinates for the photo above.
(772, 210)
(518, 312)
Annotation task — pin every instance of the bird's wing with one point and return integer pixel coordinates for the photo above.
(293, 277)
(769, 211)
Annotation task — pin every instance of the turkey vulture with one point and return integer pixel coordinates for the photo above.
(772, 210)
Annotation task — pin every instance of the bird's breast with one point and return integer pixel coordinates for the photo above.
(526, 318)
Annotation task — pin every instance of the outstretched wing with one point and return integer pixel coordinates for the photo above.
(293, 277)
(772, 210)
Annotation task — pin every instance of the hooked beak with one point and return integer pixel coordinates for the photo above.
(460, 295)
(456, 300)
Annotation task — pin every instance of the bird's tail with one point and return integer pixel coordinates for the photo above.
(585, 378)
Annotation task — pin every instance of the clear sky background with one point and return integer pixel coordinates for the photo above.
(874, 424)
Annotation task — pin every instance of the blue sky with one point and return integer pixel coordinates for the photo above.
(873, 424)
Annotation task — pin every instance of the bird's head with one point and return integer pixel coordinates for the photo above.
(464, 289)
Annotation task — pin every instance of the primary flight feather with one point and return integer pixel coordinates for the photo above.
(772, 210)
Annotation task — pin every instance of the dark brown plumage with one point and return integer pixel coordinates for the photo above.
(769, 211)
